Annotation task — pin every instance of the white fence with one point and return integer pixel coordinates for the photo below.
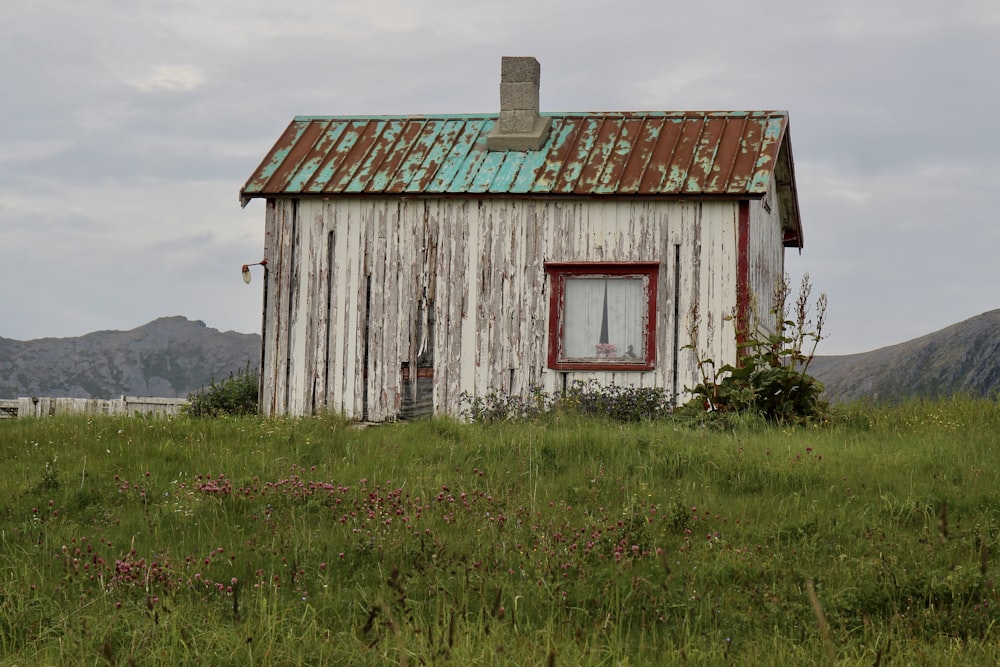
(126, 405)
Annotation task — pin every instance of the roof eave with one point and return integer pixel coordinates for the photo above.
(787, 191)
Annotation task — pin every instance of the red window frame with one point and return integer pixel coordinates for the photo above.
(559, 272)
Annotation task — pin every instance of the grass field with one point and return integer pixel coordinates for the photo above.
(869, 541)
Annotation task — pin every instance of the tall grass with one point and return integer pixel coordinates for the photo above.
(562, 541)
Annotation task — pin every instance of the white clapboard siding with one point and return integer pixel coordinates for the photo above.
(766, 258)
(480, 263)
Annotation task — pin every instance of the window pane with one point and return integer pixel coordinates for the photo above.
(605, 318)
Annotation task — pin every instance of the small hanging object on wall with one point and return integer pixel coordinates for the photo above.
(246, 269)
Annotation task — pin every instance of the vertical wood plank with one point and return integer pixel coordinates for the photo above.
(481, 266)
(268, 369)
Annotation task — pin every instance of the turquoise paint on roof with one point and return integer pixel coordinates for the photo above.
(679, 154)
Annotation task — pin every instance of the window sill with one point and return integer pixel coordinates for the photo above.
(639, 367)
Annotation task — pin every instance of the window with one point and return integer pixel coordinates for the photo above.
(602, 316)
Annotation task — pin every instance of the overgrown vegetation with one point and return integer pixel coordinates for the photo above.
(236, 395)
(584, 399)
(771, 376)
(872, 540)
(769, 381)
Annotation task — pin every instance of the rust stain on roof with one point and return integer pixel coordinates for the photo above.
(671, 154)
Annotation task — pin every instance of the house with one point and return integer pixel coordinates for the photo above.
(411, 259)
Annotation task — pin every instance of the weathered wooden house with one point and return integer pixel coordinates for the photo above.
(411, 259)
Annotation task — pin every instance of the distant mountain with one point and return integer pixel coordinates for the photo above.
(169, 357)
(174, 356)
(962, 358)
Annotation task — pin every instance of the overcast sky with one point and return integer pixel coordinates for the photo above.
(128, 128)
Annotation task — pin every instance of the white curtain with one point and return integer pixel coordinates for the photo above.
(613, 306)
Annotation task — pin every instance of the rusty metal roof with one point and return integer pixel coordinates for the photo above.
(674, 154)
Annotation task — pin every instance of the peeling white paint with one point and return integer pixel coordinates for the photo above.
(481, 263)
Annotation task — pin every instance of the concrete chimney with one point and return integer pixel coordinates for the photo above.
(519, 127)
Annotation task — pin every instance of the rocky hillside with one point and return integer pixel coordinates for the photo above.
(174, 356)
(169, 357)
(962, 358)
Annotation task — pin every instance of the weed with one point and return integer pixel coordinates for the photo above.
(50, 476)
(587, 399)
(770, 376)
(237, 395)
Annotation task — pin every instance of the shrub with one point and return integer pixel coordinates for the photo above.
(235, 396)
(497, 405)
(620, 403)
(770, 378)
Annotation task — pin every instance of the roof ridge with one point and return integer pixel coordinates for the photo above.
(648, 113)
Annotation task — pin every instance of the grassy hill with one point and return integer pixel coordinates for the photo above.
(873, 540)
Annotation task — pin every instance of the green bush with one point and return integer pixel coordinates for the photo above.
(590, 399)
(617, 402)
(497, 405)
(235, 396)
(770, 378)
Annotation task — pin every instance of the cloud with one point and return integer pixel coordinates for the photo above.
(170, 78)
(902, 252)
(116, 258)
(128, 129)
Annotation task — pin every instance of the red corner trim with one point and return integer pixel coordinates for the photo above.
(743, 277)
